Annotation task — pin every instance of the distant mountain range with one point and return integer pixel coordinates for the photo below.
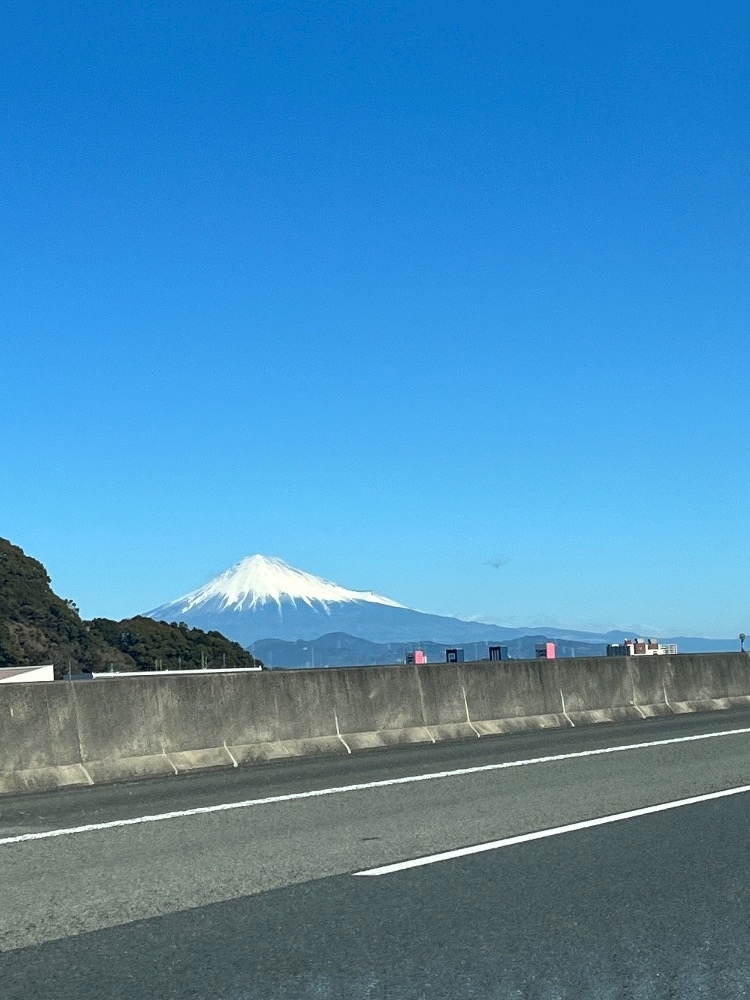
(341, 650)
(264, 598)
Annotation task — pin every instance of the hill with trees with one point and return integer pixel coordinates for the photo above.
(152, 646)
(37, 626)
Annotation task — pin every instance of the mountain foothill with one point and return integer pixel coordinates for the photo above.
(37, 626)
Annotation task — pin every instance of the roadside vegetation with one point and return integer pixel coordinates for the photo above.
(37, 626)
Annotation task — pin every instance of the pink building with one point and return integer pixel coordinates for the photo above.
(546, 651)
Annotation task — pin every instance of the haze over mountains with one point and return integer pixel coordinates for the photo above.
(263, 598)
(340, 650)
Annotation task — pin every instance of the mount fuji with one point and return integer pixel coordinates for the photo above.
(262, 598)
(265, 598)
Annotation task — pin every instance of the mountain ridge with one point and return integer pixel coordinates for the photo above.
(38, 626)
(338, 649)
(262, 597)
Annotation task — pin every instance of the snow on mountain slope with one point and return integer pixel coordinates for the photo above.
(264, 598)
(259, 580)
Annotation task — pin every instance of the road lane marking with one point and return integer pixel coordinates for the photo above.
(363, 786)
(494, 845)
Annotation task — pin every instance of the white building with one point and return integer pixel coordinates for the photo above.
(24, 675)
(641, 647)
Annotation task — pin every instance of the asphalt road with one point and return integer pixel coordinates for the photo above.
(261, 901)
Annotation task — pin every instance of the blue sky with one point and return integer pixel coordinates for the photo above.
(446, 300)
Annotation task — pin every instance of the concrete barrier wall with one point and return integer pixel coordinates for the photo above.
(510, 696)
(107, 730)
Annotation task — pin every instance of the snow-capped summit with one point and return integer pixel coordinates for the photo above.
(264, 598)
(258, 580)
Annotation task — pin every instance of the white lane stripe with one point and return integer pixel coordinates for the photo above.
(365, 786)
(462, 852)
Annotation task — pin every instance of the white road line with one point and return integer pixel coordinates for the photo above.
(365, 786)
(554, 831)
